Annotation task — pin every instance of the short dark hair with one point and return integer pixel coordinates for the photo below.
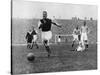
(44, 11)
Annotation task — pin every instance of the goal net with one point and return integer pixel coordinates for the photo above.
(60, 38)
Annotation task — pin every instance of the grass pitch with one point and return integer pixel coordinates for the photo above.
(62, 59)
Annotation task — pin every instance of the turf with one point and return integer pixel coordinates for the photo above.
(61, 59)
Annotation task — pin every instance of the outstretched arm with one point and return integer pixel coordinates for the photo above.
(56, 24)
(26, 35)
(39, 25)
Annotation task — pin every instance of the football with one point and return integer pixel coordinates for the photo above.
(30, 57)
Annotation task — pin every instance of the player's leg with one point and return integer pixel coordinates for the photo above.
(82, 41)
(73, 43)
(86, 44)
(86, 41)
(82, 38)
(79, 38)
(35, 41)
(83, 46)
(47, 47)
(27, 43)
(30, 43)
(48, 36)
(74, 40)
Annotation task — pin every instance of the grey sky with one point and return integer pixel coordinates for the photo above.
(30, 9)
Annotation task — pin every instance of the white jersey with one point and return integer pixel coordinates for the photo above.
(84, 29)
(84, 35)
(76, 32)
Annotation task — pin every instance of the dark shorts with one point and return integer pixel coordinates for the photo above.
(29, 41)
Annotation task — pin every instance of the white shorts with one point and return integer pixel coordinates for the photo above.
(75, 37)
(46, 35)
(84, 37)
(34, 38)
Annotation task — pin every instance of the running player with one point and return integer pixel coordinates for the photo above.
(45, 25)
(29, 38)
(84, 32)
(76, 35)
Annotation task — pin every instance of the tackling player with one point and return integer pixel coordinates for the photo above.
(45, 25)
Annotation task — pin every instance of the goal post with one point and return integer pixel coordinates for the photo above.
(63, 38)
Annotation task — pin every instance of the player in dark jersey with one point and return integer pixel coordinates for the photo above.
(45, 25)
(29, 38)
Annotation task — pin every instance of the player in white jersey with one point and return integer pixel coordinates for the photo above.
(76, 35)
(34, 41)
(84, 37)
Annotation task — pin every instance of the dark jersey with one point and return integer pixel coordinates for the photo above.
(33, 32)
(45, 24)
(29, 37)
